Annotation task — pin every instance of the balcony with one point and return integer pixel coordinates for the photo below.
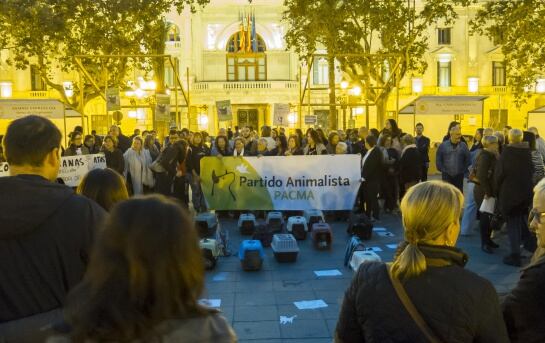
(244, 85)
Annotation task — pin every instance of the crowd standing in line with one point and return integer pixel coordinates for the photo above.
(142, 293)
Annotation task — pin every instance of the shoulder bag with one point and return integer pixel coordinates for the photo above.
(411, 309)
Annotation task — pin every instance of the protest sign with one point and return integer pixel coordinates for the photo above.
(281, 113)
(224, 110)
(281, 183)
(73, 168)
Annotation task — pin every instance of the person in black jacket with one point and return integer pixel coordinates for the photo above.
(513, 178)
(123, 142)
(423, 145)
(524, 307)
(45, 235)
(164, 179)
(114, 156)
(456, 304)
(371, 170)
(410, 164)
(358, 147)
(197, 152)
(485, 165)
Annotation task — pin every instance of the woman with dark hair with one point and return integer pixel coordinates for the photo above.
(334, 139)
(281, 145)
(143, 281)
(299, 134)
(114, 156)
(314, 144)
(197, 151)
(294, 148)
(76, 145)
(149, 145)
(221, 147)
(89, 143)
(537, 159)
(105, 186)
(477, 140)
(323, 138)
(391, 127)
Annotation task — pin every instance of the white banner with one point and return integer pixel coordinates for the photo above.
(73, 168)
(13, 109)
(328, 182)
(451, 107)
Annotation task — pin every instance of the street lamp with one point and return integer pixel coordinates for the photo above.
(356, 91)
(5, 90)
(540, 86)
(344, 84)
(417, 85)
(68, 88)
(473, 84)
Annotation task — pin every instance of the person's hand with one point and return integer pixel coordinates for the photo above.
(288, 153)
(220, 156)
(178, 173)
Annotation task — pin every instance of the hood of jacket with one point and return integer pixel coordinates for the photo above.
(27, 201)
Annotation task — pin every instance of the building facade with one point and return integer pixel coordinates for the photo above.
(232, 51)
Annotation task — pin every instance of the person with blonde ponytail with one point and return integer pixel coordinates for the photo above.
(425, 294)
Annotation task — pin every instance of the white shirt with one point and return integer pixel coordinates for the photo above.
(237, 154)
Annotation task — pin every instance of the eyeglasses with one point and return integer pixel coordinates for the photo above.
(535, 215)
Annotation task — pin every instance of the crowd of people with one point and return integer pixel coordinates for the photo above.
(95, 264)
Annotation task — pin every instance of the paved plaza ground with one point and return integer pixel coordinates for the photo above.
(253, 302)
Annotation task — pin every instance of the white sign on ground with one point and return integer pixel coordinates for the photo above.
(310, 304)
(332, 272)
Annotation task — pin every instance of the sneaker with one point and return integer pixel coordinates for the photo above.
(512, 260)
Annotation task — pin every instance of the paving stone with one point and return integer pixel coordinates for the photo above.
(255, 313)
(289, 297)
(257, 330)
(253, 286)
(305, 328)
(255, 299)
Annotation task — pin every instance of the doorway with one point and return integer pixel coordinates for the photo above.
(247, 118)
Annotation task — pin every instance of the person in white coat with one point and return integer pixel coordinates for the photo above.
(137, 163)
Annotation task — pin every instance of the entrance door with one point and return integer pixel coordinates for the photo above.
(248, 118)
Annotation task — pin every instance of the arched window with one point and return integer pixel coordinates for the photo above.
(243, 63)
(173, 32)
(234, 44)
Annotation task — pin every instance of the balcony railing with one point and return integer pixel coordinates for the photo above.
(243, 85)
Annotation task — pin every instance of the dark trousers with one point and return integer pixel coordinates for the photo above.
(424, 173)
(30, 329)
(370, 201)
(457, 180)
(163, 184)
(518, 232)
(484, 226)
(389, 191)
(179, 190)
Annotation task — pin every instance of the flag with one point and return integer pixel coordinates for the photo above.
(254, 35)
(241, 39)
